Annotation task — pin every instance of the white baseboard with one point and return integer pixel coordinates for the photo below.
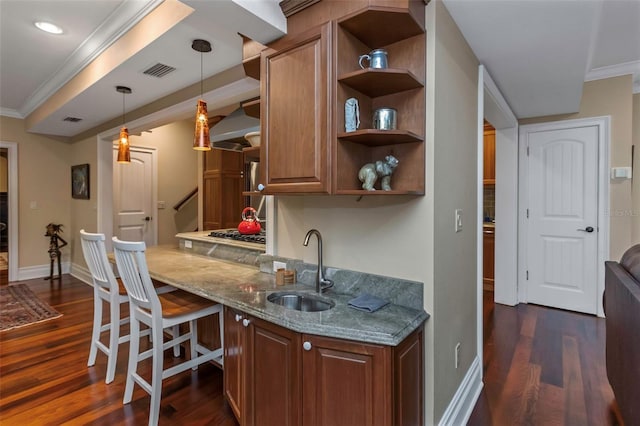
(463, 402)
(40, 271)
(81, 273)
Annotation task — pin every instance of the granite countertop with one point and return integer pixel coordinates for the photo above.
(245, 288)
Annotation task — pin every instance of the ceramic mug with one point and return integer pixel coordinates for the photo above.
(377, 59)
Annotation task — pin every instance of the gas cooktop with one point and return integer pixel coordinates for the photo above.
(233, 234)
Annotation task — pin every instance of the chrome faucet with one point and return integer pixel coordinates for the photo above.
(321, 282)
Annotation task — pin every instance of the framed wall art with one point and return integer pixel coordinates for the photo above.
(80, 181)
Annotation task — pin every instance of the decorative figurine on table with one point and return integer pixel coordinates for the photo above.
(53, 232)
(370, 172)
(351, 115)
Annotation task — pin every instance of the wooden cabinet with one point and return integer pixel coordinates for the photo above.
(306, 79)
(295, 126)
(488, 247)
(489, 177)
(401, 86)
(233, 359)
(345, 383)
(223, 184)
(273, 375)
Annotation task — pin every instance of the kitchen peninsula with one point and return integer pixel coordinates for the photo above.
(364, 367)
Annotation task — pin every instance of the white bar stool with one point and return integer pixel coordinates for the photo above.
(159, 311)
(108, 289)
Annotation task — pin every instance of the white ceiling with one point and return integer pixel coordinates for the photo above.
(538, 52)
(34, 65)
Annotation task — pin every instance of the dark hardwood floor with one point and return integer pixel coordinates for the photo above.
(44, 378)
(543, 366)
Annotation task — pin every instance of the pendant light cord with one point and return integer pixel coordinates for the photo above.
(201, 74)
(123, 113)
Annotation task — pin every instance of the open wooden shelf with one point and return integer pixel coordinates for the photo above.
(252, 108)
(366, 26)
(374, 137)
(252, 67)
(376, 192)
(380, 82)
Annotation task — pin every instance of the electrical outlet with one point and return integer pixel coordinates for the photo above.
(188, 243)
(457, 355)
(458, 219)
(279, 265)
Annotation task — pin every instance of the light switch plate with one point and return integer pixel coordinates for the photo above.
(188, 243)
(278, 265)
(458, 220)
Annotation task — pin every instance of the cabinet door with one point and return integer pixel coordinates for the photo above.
(272, 375)
(223, 184)
(345, 383)
(296, 129)
(488, 247)
(233, 353)
(489, 157)
(408, 368)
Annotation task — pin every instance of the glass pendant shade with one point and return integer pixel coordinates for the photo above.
(124, 155)
(201, 139)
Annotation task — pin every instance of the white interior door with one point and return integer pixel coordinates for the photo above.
(134, 197)
(562, 232)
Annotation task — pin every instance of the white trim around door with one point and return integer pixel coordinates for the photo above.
(12, 160)
(602, 226)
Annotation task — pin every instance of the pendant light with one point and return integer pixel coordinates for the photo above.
(124, 156)
(201, 138)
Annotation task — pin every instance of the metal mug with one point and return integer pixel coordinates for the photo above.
(377, 59)
(385, 119)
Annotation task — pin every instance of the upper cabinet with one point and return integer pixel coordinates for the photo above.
(295, 114)
(306, 80)
(489, 175)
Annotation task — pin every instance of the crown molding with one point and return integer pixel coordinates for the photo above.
(123, 18)
(617, 70)
(12, 113)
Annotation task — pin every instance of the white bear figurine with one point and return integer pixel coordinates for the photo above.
(370, 172)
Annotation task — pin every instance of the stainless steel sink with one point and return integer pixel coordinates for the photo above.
(304, 302)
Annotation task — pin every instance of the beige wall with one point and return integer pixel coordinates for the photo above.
(84, 213)
(44, 178)
(635, 217)
(413, 237)
(455, 187)
(612, 96)
(177, 176)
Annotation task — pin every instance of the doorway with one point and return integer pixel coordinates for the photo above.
(563, 233)
(502, 212)
(4, 216)
(9, 191)
(135, 196)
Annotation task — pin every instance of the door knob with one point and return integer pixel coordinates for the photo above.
(306, 346)
(146, 219)
(245, 322)
(587, 229)
(238, 317)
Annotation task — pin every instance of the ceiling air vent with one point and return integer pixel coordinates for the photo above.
(159, 70)
(72, 119)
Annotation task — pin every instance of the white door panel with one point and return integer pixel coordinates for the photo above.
(563, 203)
(133, 188)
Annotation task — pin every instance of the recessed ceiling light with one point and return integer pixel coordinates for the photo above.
(49, 27)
